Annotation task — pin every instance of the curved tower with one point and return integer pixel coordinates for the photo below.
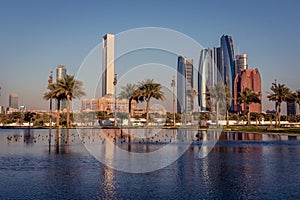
(205, 77)
(228, 64)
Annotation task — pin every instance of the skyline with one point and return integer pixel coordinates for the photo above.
(36, 37)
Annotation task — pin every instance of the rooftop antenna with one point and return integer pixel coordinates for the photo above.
(238, 49)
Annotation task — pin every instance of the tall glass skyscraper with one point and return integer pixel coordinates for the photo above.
(61, 72)
(206, 77)
(13, 101)
(185, 103)
(108, 64)
(220, 73)
(227, 61)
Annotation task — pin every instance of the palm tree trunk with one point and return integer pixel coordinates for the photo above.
(58, 113)
(227, 118)
(129, 106)
(147, 112)
(248, 115)
(279, 111)
(129, 111)
(217, 113)
(68, 111)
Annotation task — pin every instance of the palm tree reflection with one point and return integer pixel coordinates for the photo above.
(62, 141)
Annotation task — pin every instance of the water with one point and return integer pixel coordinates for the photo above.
(239, 166)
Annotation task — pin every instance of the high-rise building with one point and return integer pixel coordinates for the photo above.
(227, 62)
(241, 62)
(206, 77)
(292, 108)
(13, 101)
(248, 78)
(185, 103)
(220, 73)
(108, 64)
(61, 72)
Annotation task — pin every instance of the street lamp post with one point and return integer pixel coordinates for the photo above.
(115, 83)
(173, 85)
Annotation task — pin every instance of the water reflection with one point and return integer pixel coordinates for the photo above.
(62, 141)
(239, 166)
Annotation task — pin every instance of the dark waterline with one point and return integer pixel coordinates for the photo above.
(240, 166)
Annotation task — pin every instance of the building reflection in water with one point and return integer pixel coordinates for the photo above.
(107, 182)
(28, 135)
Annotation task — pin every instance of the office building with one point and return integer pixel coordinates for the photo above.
(13, 101)
(206, 77)
(227, 63)
(292, 108)
(185, 103)
(220, 71)
(248, 78)
(61, 72)
(241, 62)
(108, 65)
(106, 104)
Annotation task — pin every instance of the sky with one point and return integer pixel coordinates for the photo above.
(36, 36)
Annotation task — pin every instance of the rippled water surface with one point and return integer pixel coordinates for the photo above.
(239, 166)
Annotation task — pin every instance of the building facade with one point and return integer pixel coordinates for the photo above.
(185, 103)
(248, 78)
(13, 101)
(108, 64)
(292, 108)
(106, 104)
(61, 72)
(241, 62)
(227, 63)
(206, 77)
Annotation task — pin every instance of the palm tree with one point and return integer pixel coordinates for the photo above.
(128, 92)
(217, 93)
(192, 93)
(280, 93)
(147, 90)
(247, 97)
(54, 93)
(71, 89)
(67, 88)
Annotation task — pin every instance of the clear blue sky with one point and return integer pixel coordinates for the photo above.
(36, 36)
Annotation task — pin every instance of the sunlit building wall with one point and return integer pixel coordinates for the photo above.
(206, 77)
(241, 62)
(248, 78)
(185, 103)
(108, 41)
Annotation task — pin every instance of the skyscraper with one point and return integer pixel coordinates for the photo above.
(227, 62)
(241, 62)
(108, 64)
(13, 101)
(206, 77)
(220, 73)
(248, 78)
(61, 72)
(185, 103)
(292, 108)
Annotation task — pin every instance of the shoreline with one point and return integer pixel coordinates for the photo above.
(249, 129)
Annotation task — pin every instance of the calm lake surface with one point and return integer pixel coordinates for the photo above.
(238, 165)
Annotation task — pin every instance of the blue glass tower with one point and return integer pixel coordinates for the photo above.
(227, 63)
